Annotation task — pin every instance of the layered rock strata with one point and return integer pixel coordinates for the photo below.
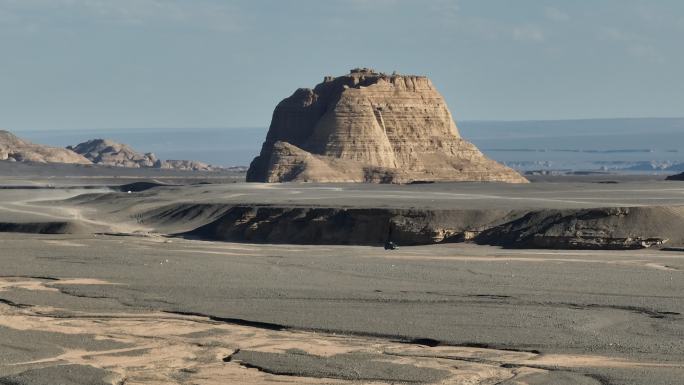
(370, 127)
(616, 228)
(601, 228)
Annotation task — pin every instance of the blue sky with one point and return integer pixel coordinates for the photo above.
(79, 64)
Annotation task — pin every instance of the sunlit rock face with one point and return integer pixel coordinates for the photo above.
(15, 149)
(370, 127)
(110, 153)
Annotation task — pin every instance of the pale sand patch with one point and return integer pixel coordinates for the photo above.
(226, 253)
(82, 281)
(172, 355)
(249, 247)
(466, 353)
(8, 283)
(177, 349)
(64, 243)
(580, 361)
(628, 263)
(658, 266)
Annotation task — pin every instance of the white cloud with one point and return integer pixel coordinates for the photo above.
(555, 14)
(365, 5)
(198, 13)
(646, 51)
(615, 34)
(445, 12)
(447, 7)
(634, 44)
(528, 33)
(449, 14)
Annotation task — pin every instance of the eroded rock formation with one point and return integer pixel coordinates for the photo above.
(188, 165)
(96, 151)
(370, 127)
(16, 149)
(622, 228)
(110, 153)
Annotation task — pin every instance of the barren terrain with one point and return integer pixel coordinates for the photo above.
(118, 290)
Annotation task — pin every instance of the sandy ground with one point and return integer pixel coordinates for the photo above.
(163, 348)
(154, 310)
(140, 307)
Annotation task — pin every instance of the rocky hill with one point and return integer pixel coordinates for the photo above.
(676, 177)
(370, 127)
(96, 151)
(110, 153)
(13, 148)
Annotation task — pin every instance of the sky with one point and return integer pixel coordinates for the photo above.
(95, 64)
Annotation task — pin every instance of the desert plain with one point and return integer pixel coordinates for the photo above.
(136, 285)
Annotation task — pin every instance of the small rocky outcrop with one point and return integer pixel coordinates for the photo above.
(96, 151)
(15, 149)
(187, 165)
(613, 228)
(110, 153)
(676, 177)
(370, 127)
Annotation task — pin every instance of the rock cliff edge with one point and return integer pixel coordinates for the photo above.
(370, 127)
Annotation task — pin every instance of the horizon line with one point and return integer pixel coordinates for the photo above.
(266, 126)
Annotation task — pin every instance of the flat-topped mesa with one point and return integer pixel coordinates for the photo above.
(368, 126)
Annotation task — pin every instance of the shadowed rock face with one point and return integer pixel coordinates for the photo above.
(370, 127)
(16, 149)
(676, 177)
(616, 228)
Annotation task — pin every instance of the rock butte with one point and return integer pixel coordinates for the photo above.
(370, 127)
